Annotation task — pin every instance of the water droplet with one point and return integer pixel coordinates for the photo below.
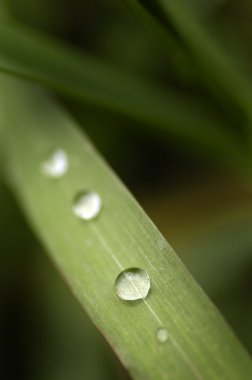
(132, 284)
(87, 205)
(162, 335)
(56, 165)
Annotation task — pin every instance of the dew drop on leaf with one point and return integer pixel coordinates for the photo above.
(87, 205)
(162, 335)
(56, 165)
(132, 284)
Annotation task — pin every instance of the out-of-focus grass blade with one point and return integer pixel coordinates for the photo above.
(91, 254)
(27, 54)
(177, 54)
(217, 69)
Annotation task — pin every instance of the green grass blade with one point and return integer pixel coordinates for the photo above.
(216, 68)
(91, 254)
(177, 54)
(24, 53)
(223, 73)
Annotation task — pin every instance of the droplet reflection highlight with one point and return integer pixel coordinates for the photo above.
(87, 205)
(56, 165)
(132, 284)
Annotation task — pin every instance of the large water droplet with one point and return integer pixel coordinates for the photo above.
(56, 165)
(87, 205)
(162, 335)
(132, 284)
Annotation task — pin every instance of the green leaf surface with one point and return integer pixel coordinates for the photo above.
(25, 53)
(91, 254)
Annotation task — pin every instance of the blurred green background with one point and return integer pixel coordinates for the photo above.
(203, 208)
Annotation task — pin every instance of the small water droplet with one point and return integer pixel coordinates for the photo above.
(132, 284)
(87, 205)
(162, 335)
(56, 165)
